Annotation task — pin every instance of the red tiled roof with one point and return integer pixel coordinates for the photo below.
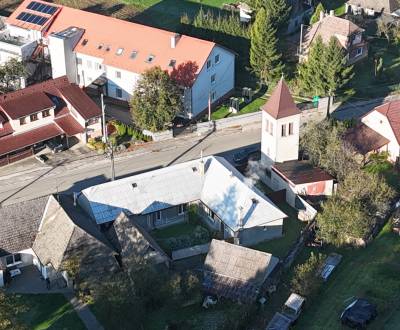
(86, 107)
(365, 139)
(281, 104)
(6, 130)
(69, 125)
(37, 97)
(391, 111)
(11, 143)
(299, 172)
(116, 33)
(25, 105)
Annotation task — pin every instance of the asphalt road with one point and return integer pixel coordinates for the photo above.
(39, 180)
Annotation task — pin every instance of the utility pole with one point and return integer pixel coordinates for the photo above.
(301, 41)
(109, 146)
(209, 105)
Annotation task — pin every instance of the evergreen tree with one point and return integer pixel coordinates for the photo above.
(311, 72)
(277, 10)
(337, 72)
(264, 56)
(315, 17)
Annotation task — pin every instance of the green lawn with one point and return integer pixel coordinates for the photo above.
(223, 110)
(279, 247)
(174, 230)
(48, 311)
(337, 5)
(372, 273)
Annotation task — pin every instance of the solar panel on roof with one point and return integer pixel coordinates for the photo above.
(32, 18)
(42, 8)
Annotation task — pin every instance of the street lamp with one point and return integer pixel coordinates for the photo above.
(109, 152)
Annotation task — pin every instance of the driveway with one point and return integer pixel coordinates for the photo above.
(31, 282)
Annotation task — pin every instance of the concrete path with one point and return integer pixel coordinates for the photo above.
(84, 312)
(190, 251)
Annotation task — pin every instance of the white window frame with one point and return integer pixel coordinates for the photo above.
(14, 262)
(283, 130)
(359, 51)
(116, 92)
(291, 129)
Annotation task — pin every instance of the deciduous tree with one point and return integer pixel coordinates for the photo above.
(10, 74)
(156, 100)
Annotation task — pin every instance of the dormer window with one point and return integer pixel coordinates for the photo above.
(133, 54)
(119, 51)
(108, 48)
(33, 117)
(100, 46)
(22, 121)
(150, 59)
(45, 113)
(172, 63)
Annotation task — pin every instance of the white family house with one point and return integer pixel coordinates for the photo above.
(373, 7)
(109, 55)
(280, 151)
(225, 200)
(379, 130)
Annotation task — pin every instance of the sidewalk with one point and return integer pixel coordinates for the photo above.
(84, 313)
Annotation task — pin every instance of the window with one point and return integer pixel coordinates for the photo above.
(150, 59)
(213, 79)
(283, 130)
(84, 42)
(267, 125)
(172, 63)
(13, 259)
(158, 215)
(213, 96)
(208, 64)
(79, 79)
(359, 51)
(291, 129)
(119, 51)
(45, 113)
(89, 64)
(34, 117)
(78, 60)
(271, 128)
(118, 74)
(118, 92)
(98, 66)
(216, 59)
(100, 46)
(181, 209)
(134, 54)
(22, 121)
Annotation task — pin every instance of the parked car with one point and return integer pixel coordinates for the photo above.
(42, 158)
(358, 314)
(290, 313)
(55, 147)
(243, 156)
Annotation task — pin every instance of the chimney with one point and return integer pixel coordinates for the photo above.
(321, 15)
(332, 13)
(174, 40)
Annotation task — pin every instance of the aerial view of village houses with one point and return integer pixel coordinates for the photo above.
(199, 164)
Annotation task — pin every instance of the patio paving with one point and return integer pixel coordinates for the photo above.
(30, 282)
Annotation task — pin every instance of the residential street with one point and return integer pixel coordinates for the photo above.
(76, 175)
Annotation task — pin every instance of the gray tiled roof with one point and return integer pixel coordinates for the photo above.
(19, 223)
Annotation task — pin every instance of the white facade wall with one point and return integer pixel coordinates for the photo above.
(16, 31)
(380, 124)
(27, 257)
(9, 51)
(224, 72)
(274, 146)
(126, 83)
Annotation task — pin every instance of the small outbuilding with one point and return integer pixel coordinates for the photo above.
(236, 272)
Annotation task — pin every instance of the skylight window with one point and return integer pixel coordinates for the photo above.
(172, 63)
(84, 42)
(134, 185)
(100, 46)
(119, 51)
(150, 59)
(134, 54)
(108, 48)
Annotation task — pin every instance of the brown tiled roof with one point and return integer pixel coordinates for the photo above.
(86, 107)
(19, 223)
(236, 272)
(26, 104)
(11, 143)
(388, 6)
(281, 104)
(69, 125)
(330, 26)
(391, 111)
(6, 130)
(299, 172)
(365, 139)
(38, 97)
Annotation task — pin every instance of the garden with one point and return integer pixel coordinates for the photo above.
(183, 235)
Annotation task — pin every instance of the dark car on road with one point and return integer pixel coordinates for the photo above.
(242, 157)
(358, 314)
